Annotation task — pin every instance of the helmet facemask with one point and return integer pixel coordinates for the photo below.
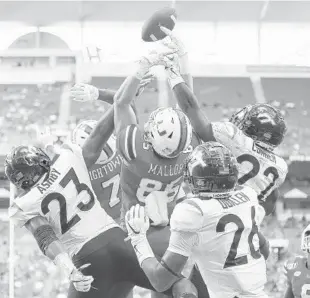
(25, 170)
(262, 123)
(82, 131)
(211, 171)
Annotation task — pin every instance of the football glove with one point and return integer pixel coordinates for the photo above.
(156, 208)
(137, 222)
(174, 71)
(81, 282)
(84, 92)
(148, 78)
(173, 42)
(154, 58)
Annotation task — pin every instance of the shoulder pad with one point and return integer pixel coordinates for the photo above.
(187, 216)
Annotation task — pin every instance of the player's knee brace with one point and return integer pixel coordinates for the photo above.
(184, 289)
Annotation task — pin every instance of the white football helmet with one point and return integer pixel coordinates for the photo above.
(83, 130)
(169, 131)
(305, 240)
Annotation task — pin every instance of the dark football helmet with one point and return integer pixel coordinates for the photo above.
(211, 169)
(263, 123)
(26, 165)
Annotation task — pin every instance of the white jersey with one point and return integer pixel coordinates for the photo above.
(221, 237)
(258, 168)
(66, 199)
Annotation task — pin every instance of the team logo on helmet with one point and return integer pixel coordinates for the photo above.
(263, 123)
(211, 169)
(26, 165)
(169, 132)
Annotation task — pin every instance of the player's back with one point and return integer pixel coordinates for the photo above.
(105, 178)
(66, 199)
(298, 276)
(144, 171)
(227, 252)
(260, 169)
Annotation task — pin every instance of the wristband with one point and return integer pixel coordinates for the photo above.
(64, 262)
(175, 81)
(142, 248)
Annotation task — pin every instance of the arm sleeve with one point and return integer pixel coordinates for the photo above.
(127, 141)
(186, 220)
(224, 132)
(182, 243)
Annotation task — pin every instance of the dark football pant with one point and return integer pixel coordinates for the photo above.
(159, 241)
(114, 266)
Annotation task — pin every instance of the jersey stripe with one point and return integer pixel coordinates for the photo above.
(130, 148)
(183, 133)
(108, 150)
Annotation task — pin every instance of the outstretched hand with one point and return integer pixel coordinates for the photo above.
(173, 42)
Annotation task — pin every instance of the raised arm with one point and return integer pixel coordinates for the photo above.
(123, 99)
(188, 102)
(128, 90)
(181, 83)
(94, 144)
(51, 247)
(85, 92)
(173, 42)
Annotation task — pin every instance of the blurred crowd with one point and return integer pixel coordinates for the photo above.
(25, 108)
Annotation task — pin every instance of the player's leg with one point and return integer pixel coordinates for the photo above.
(97, 253)
(122, 290)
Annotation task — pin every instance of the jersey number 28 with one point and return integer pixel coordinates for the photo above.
(232, 260)
(65, 224)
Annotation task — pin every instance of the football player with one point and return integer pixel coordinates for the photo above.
(153, 159)
(105, 173)
(252, 134)
(297, 271)
(216, 227)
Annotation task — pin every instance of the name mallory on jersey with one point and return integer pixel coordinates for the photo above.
(166, 170)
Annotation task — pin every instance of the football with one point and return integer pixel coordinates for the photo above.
(164, 17)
